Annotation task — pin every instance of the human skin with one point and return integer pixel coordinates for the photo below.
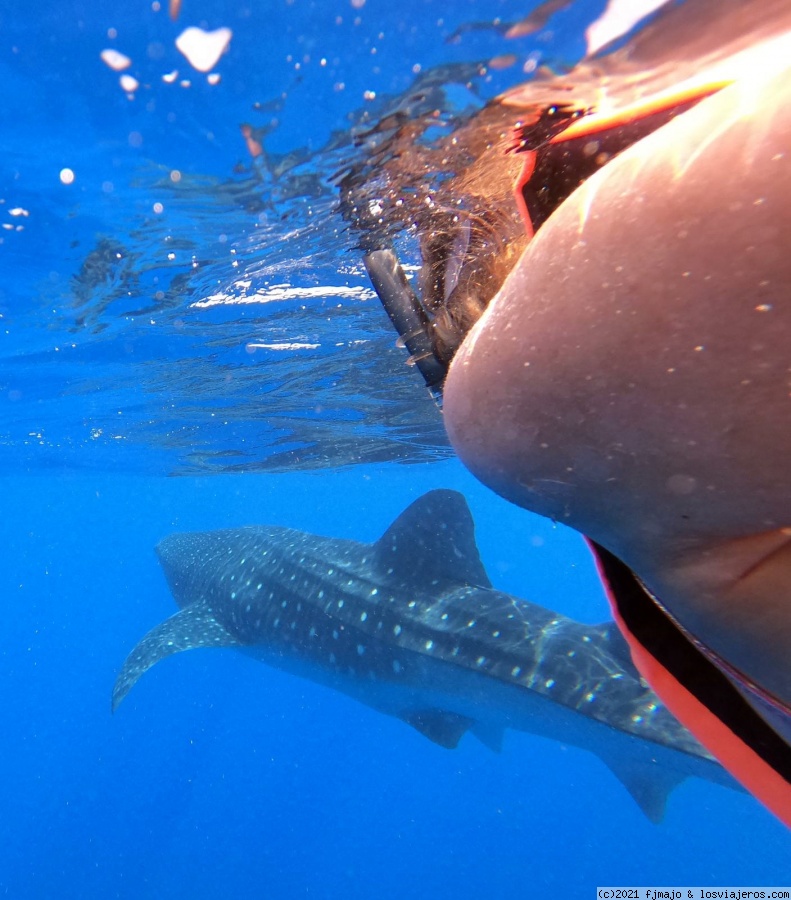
(632, 378)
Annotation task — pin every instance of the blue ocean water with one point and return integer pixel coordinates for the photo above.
(219, 776)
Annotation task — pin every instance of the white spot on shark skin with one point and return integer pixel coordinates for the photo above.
(233, 595)
(284, 604)
(363, 616)
(471, 623)
(312, 632)
(590, 697)
(258, 587)
(335, 635)
(397, 630)
(637, 719)
(549, 683)
(247, 608)
(321, 595)
(276, 622)
(411, 604)
(340, 604)
(516, 671)
(480, 661)
(360, 649)
(429, 645)
(495, 634)
(374, 592)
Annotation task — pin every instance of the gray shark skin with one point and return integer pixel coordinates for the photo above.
(411, 626)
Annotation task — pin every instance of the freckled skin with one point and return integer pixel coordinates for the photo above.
(632, 378)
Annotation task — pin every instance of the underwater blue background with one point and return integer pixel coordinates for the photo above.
(219, 776)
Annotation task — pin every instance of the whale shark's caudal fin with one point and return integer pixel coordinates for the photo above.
(431, 541)
(189, 628)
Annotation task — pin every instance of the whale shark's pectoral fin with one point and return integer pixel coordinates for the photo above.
(441, 727)
(189, 628)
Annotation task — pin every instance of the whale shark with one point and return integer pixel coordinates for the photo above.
(411, 626)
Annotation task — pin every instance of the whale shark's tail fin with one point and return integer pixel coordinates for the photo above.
(189, 628)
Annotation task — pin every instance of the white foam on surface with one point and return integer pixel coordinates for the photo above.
(203, 48)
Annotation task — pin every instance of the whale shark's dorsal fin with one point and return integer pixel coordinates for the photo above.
(189, 628)
(433, 540)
